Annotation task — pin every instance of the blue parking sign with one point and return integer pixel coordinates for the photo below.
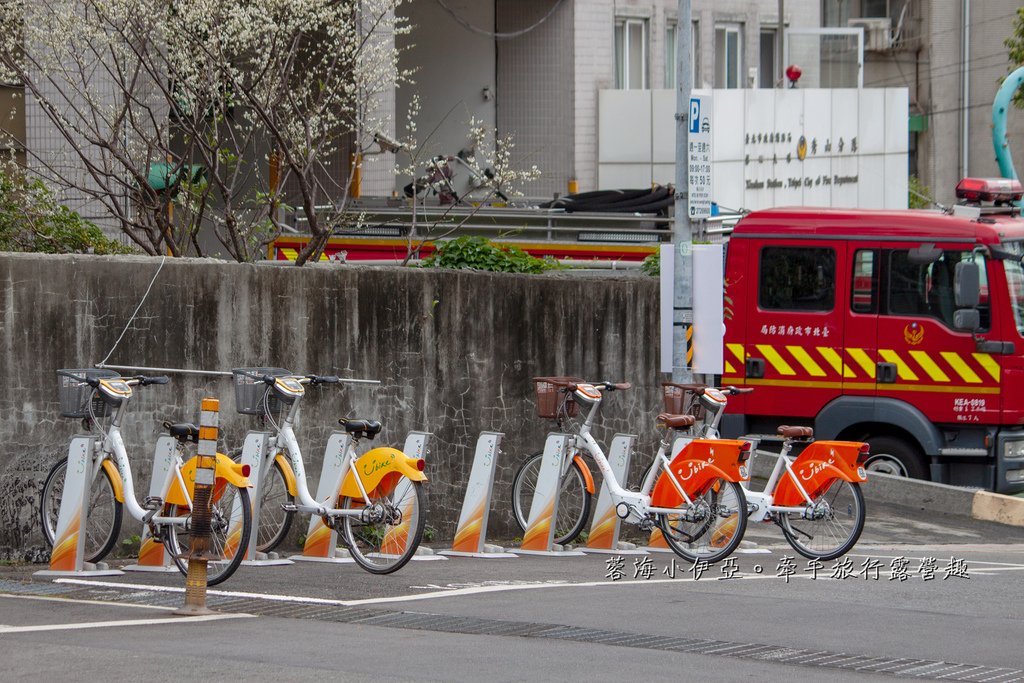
(694, 114)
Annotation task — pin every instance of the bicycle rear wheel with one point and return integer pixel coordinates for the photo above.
(103, 517)
(573, 500)
(384, 536)
(231, 526)
(712, 527)
(831, 526)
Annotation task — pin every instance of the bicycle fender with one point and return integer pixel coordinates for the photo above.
(115, 479)
(588, 478)
(289, 475)
(374, 468)
(821, 463)
(226, 471)
(695, 467)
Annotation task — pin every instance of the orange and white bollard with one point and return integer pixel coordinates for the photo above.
(202, 498)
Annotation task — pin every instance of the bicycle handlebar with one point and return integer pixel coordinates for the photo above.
(143, 380)
(607, 386)
(736, 390)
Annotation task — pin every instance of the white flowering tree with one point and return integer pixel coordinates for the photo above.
(179, 114)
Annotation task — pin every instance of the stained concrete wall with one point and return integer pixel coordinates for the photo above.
(454, 351)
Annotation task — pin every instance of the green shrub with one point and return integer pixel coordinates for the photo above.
(476, 253)
(31, 219)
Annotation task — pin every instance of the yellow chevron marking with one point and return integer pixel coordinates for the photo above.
(863, 360)
(290, 254)
(986, 361)
(836, 361)
(777, 361)
(812, 368)
(737, 350)
(729, 369)
(902, 369)
(893, 388)
(933, 370)
(962, 368)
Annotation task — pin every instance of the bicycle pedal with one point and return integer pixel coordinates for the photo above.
(289, 507)
(153, 503)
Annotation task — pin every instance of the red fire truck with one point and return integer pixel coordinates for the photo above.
(904, 329)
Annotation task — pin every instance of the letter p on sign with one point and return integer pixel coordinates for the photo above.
(694, 115)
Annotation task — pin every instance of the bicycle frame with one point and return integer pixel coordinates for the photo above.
(386, 460)
(111, 446)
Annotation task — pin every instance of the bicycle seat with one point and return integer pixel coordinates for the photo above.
(361, 429)
(796, 432)
(675, 421)
(183, 432)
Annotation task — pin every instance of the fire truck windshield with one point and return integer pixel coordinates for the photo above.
(1015, 281)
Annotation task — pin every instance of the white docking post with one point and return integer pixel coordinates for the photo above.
(68, 555)
(416, 446)
(153, 555)
(604, 529)
(321, 540)
(539, 537)
(471, 534)
(260, 460)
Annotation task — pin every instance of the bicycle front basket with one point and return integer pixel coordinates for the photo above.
(550, 398)
(683, 399)
(75, 395)
(250, 389)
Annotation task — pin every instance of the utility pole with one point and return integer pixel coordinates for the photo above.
(780, 75)
(682, 234)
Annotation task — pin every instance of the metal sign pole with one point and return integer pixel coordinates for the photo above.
(682, 236)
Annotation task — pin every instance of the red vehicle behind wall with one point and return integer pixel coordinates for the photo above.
(904, 329)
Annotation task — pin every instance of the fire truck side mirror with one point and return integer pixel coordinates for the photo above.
(967, 319)
(967, 285)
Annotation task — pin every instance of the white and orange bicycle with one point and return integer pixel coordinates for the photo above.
(694, 496)
(815, 498)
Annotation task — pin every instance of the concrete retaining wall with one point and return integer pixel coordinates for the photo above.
(454, 351)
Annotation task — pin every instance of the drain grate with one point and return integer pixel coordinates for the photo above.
(425, 621)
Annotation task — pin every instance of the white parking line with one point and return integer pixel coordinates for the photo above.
(49, 598)
(455, 592)
(120, 622)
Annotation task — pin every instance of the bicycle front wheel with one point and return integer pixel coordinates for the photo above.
(103, 516)
(385, 533)
(830, 526)
(573, 500)
(711, 528)
(230, 527)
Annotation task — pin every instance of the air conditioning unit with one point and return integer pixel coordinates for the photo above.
(877, 32)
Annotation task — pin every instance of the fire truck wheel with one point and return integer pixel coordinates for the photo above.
(891, 455)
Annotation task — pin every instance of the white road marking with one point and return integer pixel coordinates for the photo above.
(472, 590)
(49, 598)
(120, 622)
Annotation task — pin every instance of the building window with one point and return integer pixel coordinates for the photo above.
(767, 67)
(670, 55)
(728, 57)
(631, 54)
(797, 279)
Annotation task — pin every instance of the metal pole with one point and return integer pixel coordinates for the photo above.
(780, 76)
(682, 236)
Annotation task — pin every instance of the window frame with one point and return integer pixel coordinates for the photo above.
(622, 52)
(670, 80)
(761, 272)
(736, 72)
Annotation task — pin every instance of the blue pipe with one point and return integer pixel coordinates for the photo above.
(1002, 103)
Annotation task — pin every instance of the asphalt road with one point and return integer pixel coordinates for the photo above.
(925, 597)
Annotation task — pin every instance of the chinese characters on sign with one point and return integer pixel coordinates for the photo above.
(698, 155)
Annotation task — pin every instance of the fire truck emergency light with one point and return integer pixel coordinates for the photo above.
(998, 190)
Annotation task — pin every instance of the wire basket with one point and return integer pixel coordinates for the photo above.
(250, 390)
(550, 399)
(683, 399)
(75, 394)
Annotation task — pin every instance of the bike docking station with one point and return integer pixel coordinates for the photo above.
(153, 555)
(471, 534)
(322, 541)
(657, 543)
(604, 529)
(257, 456)
(539, 537)
(68, 555)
